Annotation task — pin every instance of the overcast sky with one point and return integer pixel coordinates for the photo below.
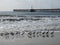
(9, 5)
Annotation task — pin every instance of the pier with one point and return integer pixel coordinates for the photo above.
(36, 10)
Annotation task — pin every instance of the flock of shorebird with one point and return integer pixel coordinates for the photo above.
(29, 34)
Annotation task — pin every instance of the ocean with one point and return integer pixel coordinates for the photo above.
(29, 28)
(28, 13)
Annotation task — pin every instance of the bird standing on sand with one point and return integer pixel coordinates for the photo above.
(12, 33)
(47, 32)
(52, 32)
(1, 34)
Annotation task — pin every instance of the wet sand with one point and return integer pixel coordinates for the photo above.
(33, 41)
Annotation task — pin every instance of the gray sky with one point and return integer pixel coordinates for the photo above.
(7, 5)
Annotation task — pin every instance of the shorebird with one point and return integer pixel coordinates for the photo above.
(23, 32)
(43, 32)
(17, 32)
(12, 33)
(6, 33)
(38, 34)
(29, 34)
(47, 32)
(34, 34)
(1, 34)
(52, 32)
